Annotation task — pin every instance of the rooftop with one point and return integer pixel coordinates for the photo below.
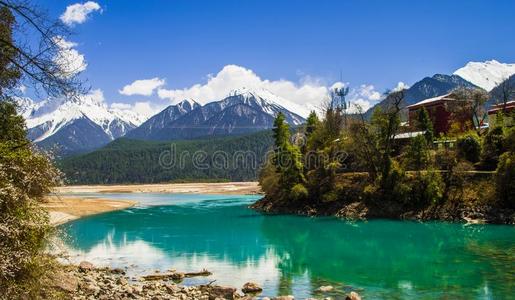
(510, 105)
(446, 97)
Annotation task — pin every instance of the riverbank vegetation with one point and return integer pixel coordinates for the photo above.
(26, 175)
(351, 167)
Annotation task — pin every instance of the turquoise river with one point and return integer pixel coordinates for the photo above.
(293, 255)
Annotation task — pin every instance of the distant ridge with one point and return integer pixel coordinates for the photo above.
(429, 87)
(242, 111)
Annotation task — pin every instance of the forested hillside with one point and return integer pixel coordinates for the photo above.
(134, 161)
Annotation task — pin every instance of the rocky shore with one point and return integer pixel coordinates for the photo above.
(451, 212)
(86, 281)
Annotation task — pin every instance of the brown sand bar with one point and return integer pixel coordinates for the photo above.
(64, 209)
(244, 188)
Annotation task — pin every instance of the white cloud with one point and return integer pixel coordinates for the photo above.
(121, 106)
(143, 87)
(144, 109)
(69, 59)
(365, 96)
(302, 97)
(400, 86)
(78, 13)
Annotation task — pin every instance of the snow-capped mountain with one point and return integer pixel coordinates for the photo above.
(428, 87)
(242, 111)
(269, 102)
(163, 119)
(266, 101)
(75, 124)
(486, 75)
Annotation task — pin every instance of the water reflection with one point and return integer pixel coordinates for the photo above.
(296, 255)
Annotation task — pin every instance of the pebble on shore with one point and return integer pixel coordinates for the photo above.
(85, 281)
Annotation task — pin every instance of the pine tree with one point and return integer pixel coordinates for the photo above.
(425, 124)
(281, 131)
(287, 159)
(311, 123)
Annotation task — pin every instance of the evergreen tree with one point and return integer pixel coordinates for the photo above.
(281, 131)
(287, 160)
(424, 124)
(311, 123)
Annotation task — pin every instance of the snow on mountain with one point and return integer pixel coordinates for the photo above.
(163, 119)
(187, 104)
(46, 118)
(241, 111)
(486, 75)
(269, 103)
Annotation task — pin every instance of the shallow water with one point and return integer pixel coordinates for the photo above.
(381, 259)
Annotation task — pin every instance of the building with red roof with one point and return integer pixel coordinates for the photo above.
(440, 110)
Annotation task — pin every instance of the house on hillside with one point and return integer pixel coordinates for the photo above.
(507, 116)
(440, 111)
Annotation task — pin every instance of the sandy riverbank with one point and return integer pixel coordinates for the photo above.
(64, 209)
(194, 188)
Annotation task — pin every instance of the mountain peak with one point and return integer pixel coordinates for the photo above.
(188, 104)
(486, 75)
(247, 92)
(264, 98)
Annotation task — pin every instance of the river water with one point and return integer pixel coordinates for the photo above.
(294, 255)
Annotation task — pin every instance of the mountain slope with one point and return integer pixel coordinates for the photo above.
(486, 75)
(124, 160)
(498, 93)
(242, 111)
(163, 119)
(429, 87)
(76, 124)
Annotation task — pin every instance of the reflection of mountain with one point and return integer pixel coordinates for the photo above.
(292, 254)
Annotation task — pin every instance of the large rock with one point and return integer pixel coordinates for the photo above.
(85, 266)
(65, 283)
(289, 297)
(353, 296)
(251, 287)
(216, 291)
(325, 288)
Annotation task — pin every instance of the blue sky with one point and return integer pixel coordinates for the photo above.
(373, 43)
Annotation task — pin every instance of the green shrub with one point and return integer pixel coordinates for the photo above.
(26, 177)
(426, 188)
(493, 146)
(509, 139)
(505, 179)
(330, 196)
(469, 148)
(299, 192)
(417, 156)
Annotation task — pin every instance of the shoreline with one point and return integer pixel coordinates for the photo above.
(85, 281)
(63, 209)
(231, 188)
(64, 206)
(363, 210)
